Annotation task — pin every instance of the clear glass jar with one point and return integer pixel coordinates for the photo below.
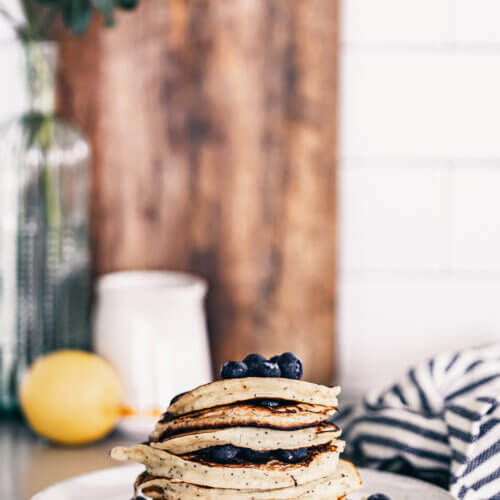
(44, 229)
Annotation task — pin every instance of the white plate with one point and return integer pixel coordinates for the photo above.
(116, 484)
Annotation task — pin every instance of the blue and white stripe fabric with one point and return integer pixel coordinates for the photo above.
(441, 422)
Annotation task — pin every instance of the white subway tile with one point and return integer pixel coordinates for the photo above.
(395, 21)
(13, 94)
(475, 99)
(418, 103)
(393, 103)
(477, 22)
(475, 209)
(393, 218)
(386, 326)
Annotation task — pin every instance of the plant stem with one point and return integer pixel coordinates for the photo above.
(42, 27)
(30, 23)
(36, 26)
(16, 26)
(7, 15)
(27, 11)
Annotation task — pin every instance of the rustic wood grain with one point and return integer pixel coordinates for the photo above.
(213, 124)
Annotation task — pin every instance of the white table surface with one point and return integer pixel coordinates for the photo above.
(29, 464)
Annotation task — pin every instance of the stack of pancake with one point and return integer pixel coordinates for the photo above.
(246, 438)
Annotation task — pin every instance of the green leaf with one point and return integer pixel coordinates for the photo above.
(77, 15)
(106, 7)
(48, 2)
(35, 124)
(127, 4)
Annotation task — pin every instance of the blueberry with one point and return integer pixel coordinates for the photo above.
(378, 496)
(268, 369)
(253, 361)
(222, 454)
(291, 456)
(290, 365)
(269, 403)
(255, 456)
(233, 369)
(275, 359)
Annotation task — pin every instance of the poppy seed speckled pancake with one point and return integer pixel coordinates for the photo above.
(286, 416)
(255, 438)
(225, 392)
(336, 485)
(320, 462)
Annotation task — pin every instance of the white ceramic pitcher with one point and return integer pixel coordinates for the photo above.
(150, 325)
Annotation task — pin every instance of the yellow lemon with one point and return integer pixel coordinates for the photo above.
(71, 397)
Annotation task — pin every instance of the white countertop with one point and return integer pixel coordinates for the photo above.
(29, 464)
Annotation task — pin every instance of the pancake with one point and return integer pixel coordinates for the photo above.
(320, 462)
(225, 392)
(251, 437)
(343, 481)
(287, 416)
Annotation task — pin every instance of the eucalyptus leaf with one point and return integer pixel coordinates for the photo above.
(127, 4)
(106, 8)
(77, 15)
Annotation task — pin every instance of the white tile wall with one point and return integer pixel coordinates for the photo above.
(388, 322)
(392, 104)
(411, 103)
(475, 226)
(393, 217)
(402, 21)
(13, 8)
(419, 183)
(12, 96)
(475, 100)
(477, 21)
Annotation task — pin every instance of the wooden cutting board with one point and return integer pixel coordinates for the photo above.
(214, 130)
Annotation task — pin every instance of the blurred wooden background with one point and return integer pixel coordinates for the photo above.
(213, 126)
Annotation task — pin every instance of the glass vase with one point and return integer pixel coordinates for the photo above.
(44, 229)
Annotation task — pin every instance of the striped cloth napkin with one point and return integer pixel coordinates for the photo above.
(441, 423)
